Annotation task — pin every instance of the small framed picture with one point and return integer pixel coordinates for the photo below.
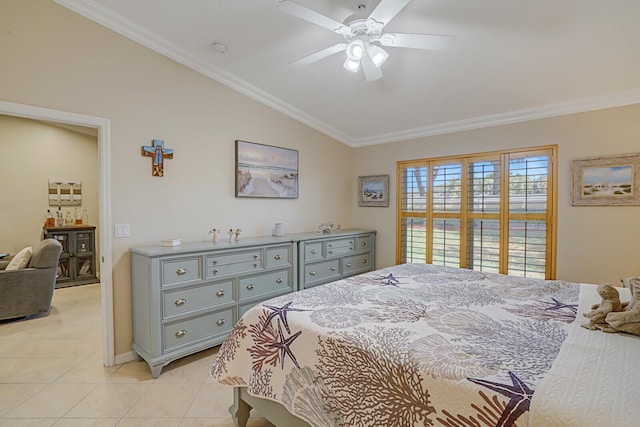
(606, 181)
(373, 190)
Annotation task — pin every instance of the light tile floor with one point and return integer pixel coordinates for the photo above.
(51, 374)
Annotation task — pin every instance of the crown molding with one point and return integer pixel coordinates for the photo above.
(600, 102)
(103, 16)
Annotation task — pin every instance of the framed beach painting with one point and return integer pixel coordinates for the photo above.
(266, 171)
(606, 181)
(373, 190)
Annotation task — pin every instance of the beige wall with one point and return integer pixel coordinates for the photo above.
(56, 59)
(32, 153)
(595, 244)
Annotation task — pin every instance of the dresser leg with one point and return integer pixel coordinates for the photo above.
(156, 371)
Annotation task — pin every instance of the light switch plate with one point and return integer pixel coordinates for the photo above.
(123, 230)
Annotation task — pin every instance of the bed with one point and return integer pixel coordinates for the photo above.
(421, 345)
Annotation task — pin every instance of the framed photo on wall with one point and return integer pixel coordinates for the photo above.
(606, 181)
(373, 190)
(266, 171)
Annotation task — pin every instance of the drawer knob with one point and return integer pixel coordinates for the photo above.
(330, 252)
(181, 301)
(330, 245)
(221, 322)
(181, 333)
(277, 257)
(364, 261)
(313, 251)
(363, 244)
(215, 270)
(312, 273)
(255, 265)
(348, 264)
(215, 262)
(250, 286)
(255, 256)
(181, 271)
(279, 280)
(332, 269)
(351, 242)
(220, 293)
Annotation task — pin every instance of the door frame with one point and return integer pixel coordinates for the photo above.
(104, 204)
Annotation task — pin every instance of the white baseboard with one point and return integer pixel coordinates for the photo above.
(125, 357)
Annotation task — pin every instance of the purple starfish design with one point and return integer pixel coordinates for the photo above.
(519, 395)
(283, 346)
(281, 312)
(389, 280)
(557, 305)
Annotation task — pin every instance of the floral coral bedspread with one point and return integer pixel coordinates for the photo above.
(409, 345)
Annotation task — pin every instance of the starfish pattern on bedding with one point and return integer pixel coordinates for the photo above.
(558, 305)
(281, 312)
(519, 395)
(389, 280)
(283, 346)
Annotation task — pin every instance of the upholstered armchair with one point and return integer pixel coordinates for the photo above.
(28, 291)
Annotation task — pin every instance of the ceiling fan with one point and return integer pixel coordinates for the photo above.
(362, 36)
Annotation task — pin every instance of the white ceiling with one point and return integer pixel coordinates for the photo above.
(513, 60)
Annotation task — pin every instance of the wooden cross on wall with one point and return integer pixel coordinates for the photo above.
(158, 153)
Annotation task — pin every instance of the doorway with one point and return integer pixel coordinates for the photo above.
(104, 204)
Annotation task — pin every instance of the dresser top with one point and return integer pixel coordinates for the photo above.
(223, 243)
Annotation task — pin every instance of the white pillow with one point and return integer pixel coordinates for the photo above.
(20, 260)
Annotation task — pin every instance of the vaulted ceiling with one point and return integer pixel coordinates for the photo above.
(513, 60)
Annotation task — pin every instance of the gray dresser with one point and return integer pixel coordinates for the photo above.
(187, 298)
(324, 258)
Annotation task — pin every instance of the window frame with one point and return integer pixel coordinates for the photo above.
(504, 214)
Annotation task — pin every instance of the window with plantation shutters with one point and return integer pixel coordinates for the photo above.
(490, 212)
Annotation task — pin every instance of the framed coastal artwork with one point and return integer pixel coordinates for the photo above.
(266, 171)
(373, 190)
(606, 181)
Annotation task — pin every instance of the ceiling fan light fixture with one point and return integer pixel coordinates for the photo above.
(351, 65)
(355, 50)
(378, 55)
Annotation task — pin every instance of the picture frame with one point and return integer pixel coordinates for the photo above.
(606, 181)
(373, 190)
(265, 171)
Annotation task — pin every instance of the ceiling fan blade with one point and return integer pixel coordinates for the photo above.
(417, 41)
(316, 56)
(312, 16)
(371, 72)
(387, 10)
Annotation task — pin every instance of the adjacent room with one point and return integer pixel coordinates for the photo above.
(221, 199)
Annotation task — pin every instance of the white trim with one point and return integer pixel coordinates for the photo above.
(125, 357)
(609, 100)
(103, 16)
(104, 204)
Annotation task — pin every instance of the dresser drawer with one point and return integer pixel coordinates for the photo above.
(313, 251)
(340, 246)
(233, 258)
(185, 300)
(355, 264)
(181, 270)
(187, 331)
(263, 284)
(321, 271)
(277, 257)
(240, 267)
(363, 243)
